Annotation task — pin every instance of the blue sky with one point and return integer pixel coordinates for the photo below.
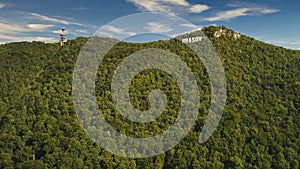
(272, 21)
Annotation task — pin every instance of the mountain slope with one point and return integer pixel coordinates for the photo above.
(259, 127)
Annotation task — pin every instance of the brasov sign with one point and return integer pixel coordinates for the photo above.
(192, 39)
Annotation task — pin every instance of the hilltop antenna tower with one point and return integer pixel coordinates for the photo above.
(63, 39)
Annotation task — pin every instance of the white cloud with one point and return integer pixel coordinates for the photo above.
(18, 39)
(11, 32)
(2, 36)
(10, 28)
(176, 2)
(80, 8)
(168, 6)
(54, 20)
(295, 43)
(82, 31)
(268, 11)
(2, 5)
(190, 28)
(56, 31)
(157, 27)
(227, 15)
(286, 43)
(39, 26)
(26, 26)
(106, 34)
(198, 8)
(150, 5)
(187, 25)
(230, 14)
(120, 31)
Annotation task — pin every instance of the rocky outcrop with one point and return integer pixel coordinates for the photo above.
(225, 32)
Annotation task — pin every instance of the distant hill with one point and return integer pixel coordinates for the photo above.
(260, 127)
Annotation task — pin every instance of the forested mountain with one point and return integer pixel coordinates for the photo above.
(260, 127)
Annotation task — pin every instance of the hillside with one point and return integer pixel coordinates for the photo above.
(260, 127)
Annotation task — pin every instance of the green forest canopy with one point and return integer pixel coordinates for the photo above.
(260, 127)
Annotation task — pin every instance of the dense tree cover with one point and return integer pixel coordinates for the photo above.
(259, 127)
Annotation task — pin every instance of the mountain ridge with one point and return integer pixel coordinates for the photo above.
(259, 127)
(210, 31)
